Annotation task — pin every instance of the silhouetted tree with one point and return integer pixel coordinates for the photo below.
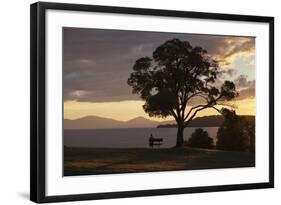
(252, 135)
(200, 138)
(236, 133)
(176, 74)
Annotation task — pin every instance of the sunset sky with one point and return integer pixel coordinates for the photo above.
(97, 64)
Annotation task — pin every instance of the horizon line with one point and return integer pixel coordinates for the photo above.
(140, 117)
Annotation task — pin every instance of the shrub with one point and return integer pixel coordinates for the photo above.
(201, 139)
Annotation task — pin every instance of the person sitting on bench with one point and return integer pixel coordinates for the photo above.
(155, 141)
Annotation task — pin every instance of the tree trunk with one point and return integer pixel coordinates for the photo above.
(180, 135)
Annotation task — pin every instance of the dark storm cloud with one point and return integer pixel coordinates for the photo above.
(97, 63)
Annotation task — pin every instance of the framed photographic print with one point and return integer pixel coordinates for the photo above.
(129, 102)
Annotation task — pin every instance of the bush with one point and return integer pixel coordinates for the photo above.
(201, 139)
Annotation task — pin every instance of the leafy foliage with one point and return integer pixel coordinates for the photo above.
(236, 133)
(176, 74)
(200, 138)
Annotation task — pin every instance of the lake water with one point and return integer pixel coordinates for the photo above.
(127, 138)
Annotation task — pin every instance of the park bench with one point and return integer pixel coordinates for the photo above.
(155, 141)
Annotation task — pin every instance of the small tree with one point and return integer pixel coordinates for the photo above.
(252, 136)
(200, 138)
(176, 74)
(235, 132)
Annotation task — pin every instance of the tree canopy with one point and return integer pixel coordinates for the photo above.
(176, 74)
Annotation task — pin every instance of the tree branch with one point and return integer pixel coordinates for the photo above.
(194, 94)
(189, 112)
(193, 115)
(174, 115)
(202, 108)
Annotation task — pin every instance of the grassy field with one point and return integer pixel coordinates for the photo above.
(88, 161)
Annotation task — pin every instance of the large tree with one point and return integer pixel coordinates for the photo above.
(179, 80)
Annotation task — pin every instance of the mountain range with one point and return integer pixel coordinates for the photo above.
(95, 122)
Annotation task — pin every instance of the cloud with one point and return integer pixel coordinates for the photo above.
(242, 81)
(233, 47)
(245, 87)
(246, 93)
(97, 62)
(227, 73)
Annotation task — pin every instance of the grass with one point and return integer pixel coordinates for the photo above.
(89, 161)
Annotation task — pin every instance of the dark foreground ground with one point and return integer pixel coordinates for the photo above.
(88, 161)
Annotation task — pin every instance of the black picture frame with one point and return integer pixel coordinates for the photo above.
(38, 97)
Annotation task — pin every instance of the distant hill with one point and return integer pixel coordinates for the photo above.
(141, 122)
(206, 121)
(92, 122)
(95, 122)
